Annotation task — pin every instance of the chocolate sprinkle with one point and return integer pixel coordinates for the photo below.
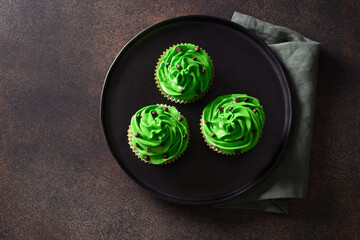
(206, 122)
(137, 134)
(165, 155)
(147, 158)
(165, 109)
(185, 136)
(237, 151)
(194, 58)
(181, 90)
(213, 135)
(180, 119)
(237, 99)
(137, 145)
(148, 150)
(253, 131)
(178, 49)
(203, 70)
(154, 113)
(246, 99)
(198, 92)
(162, 144)
(178, 67)
(231, 108)
(197, 49)
(138, 115)
(221, 109)
(255, 110)
(167, 64)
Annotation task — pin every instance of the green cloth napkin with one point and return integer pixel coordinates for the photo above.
(299, 57)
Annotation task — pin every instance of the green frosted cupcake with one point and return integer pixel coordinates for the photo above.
(158, 134)
(184, 73)
(232, 124)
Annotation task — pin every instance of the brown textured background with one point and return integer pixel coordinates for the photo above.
(59, 181)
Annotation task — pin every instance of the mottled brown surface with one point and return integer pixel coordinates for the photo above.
(59, 181)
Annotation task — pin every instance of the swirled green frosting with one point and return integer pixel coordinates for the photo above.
(233, 123)
(184, 72)
(160, 133)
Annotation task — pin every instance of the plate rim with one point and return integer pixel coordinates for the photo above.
(264, 173)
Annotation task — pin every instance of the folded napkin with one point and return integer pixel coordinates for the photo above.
(289, 179)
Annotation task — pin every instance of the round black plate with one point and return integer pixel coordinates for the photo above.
(242, 63)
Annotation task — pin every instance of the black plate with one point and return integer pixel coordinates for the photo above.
(243, 64)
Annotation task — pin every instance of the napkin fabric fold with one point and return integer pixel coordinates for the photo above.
(289, 179)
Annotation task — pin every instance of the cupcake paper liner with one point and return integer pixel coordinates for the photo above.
(171, 98)
(131, 135)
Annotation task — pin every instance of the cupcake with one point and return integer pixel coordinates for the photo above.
(184, 73)
(232, 124)
(158, 134)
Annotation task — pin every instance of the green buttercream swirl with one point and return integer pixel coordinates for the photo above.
(191, 77)
(236, 130)
(162, 133)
